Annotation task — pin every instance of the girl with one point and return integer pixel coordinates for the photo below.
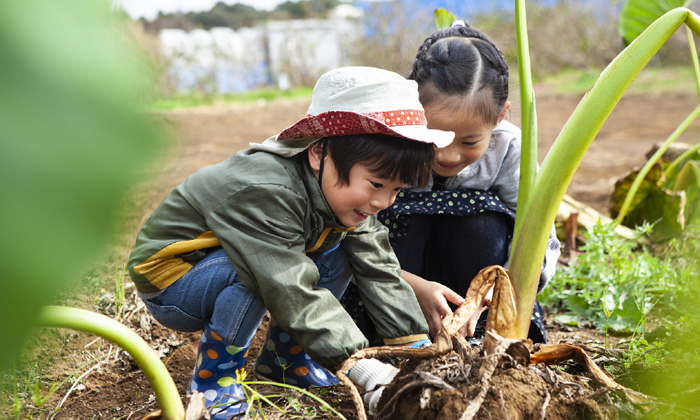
(444, 234)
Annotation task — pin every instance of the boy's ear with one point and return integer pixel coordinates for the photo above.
(315, 152)
(504, 112)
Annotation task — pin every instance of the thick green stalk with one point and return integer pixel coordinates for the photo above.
(568, 150)
(528, 119)
(156, 373)
(650, 163)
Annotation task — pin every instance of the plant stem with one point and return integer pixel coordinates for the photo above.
(156, 373)
(673, 167)
(528, 116)
(303, 391)
(694, 57)
(651, 162)
(550, 184)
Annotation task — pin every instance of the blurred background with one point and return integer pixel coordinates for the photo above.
(207, 49)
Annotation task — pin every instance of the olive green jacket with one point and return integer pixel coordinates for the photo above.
(269, 214)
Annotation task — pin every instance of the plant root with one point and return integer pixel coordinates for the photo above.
(436, 375)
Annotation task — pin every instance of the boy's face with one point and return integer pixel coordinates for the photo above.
(472, 138)
(365, 195)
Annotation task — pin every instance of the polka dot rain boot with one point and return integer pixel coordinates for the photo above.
(215, 373)
(281, 359)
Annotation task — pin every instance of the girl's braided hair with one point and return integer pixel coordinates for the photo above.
(462, 63)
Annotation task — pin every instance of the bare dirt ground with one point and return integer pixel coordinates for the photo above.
(201, 137)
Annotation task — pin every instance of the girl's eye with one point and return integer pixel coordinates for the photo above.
(473, 143)
(377, 185)
(398, 190)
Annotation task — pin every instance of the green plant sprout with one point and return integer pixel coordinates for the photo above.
(119, 292)
(607, 313)
(541, 192)
(40, 401)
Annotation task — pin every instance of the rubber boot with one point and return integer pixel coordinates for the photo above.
(281, 359)
(215, 375)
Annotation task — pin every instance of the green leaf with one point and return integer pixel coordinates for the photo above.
(568, 319)
(72, 143)
(577, 305)
(623, 186)
(664, 208)
(443, 18)
(688, 180)
(630, 311)
(652, 204)
(637, 15)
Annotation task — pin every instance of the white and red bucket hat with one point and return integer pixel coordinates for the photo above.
(359, 100)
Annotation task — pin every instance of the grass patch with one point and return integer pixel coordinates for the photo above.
(651, 79)
(198, 99)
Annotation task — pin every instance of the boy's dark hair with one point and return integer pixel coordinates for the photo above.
(385, 156)
(462, 62)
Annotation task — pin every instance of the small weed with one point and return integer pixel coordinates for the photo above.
(640, 351)
(119, 293)
(294, 406)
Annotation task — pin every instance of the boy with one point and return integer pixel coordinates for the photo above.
(283, 226)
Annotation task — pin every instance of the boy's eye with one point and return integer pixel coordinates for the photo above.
(471, 143)
(398, 190)
(377, 185)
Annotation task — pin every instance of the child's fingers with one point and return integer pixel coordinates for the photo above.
(452, 296)
(471, 324)
(435, 324)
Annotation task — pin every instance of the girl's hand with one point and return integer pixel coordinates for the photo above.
(432, 298)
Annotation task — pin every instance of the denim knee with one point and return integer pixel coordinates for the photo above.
(334, 272)
(172, 317)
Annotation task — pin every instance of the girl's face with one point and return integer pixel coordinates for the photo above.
(472, 137)
(365, 195)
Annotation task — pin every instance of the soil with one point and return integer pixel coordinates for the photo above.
(204, 136)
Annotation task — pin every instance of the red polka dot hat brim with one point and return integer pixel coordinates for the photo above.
(408, 123)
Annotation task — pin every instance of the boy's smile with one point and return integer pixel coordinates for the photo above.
(364, 196)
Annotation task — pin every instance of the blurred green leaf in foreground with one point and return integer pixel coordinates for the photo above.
(71, 141)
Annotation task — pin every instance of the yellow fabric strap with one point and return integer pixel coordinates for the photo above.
(325, 233)
(162, 270)
(404, 340)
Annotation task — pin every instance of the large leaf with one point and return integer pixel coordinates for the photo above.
(637, 15)
(663, 207)
(443, 18)
(623, 186)
(652, 203)
(688, 180)
(71, 142)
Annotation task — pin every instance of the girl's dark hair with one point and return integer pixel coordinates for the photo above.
(385, 156)
(463, 63)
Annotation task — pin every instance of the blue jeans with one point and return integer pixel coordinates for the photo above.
(211, 295)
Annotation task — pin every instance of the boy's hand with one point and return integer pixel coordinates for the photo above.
(371, 374)
(432, 298)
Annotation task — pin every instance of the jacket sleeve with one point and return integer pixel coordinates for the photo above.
(389, 300)
(266, 247)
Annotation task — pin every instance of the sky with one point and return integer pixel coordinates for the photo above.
(150, 8)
